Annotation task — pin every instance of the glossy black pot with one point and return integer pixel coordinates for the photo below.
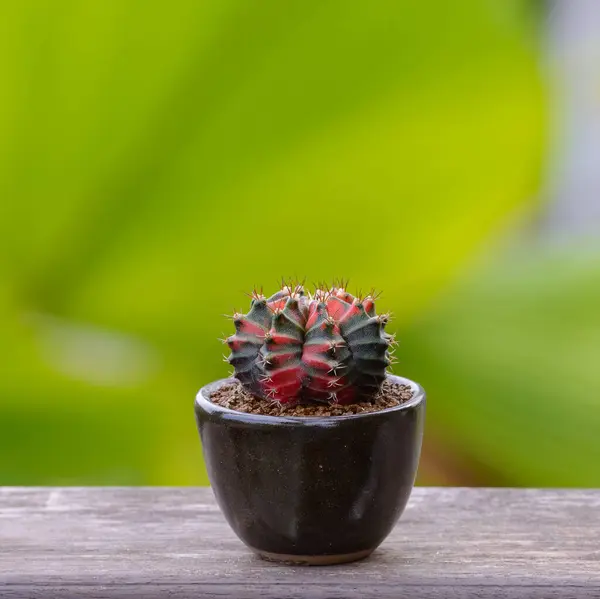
(312, 490)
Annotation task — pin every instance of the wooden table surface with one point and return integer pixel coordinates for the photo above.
(173, 542)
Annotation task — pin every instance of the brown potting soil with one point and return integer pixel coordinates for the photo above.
(235, 397)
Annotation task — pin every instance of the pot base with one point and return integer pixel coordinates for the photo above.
(314, 560)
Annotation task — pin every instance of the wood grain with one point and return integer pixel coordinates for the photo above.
(126, 542)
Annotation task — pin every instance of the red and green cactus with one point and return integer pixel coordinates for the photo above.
(322, 346)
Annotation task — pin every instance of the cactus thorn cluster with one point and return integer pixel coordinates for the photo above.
(328, 345)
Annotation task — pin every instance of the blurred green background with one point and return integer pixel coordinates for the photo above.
(159, 159)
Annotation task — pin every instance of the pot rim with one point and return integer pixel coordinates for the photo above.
(203, 401)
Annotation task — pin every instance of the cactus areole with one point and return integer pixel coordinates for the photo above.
(325, 346)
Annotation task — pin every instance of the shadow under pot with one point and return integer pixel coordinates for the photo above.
(312, 490)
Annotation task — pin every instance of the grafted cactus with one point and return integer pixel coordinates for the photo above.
(324, 346)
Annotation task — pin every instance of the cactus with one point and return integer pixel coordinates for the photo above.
(326, 346)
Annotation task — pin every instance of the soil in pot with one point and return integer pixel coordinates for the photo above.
(234, 397)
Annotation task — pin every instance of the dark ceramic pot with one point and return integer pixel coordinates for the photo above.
(308, 489)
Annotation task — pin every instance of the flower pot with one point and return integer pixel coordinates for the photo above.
(313, 490)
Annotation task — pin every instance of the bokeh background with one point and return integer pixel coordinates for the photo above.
(159, 159)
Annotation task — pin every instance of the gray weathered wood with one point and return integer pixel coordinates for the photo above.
(111, 542)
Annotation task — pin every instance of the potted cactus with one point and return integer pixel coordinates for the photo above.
(311, 447)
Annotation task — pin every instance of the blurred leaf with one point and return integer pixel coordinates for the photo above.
(159, 159)
(510, 362)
